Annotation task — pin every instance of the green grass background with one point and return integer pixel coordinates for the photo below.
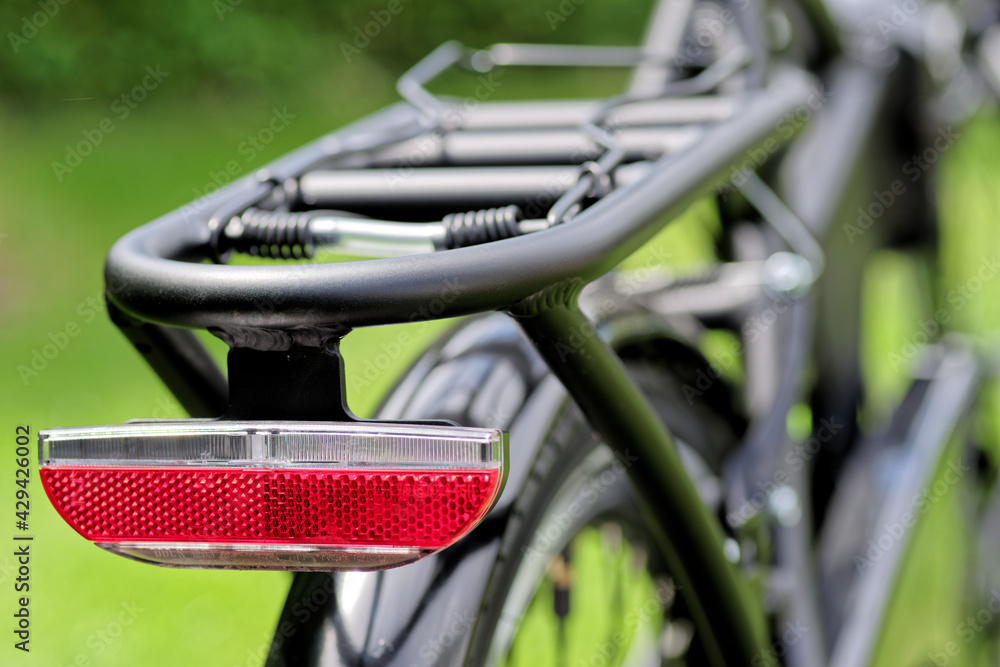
(54, 235)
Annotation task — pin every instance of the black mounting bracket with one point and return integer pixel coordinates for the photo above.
(298, 384)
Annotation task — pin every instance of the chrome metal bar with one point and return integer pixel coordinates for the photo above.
(458, 186)
(570, 113)
(549, 146)
(386, 238)
(565, 55)
(470, 185)
(377, 238)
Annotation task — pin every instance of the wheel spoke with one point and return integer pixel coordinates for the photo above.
(601, 605)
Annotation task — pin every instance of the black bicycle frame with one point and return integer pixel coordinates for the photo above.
(535, 278)
(290, 319)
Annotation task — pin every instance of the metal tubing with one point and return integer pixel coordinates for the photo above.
(484, 277)
(815, 189)
(664, 35)
(570, 113)
(683, 527)
(793, 230)
(952, 392)
(553, 146)
(467, 186)
(411, 85)
(381, 237)
(564, 55)
(796, 564)
(454, 186)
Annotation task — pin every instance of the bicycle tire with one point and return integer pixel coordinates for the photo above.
(484, 373)
(574, 461)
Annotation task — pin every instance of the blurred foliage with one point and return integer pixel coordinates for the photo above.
(79, 49)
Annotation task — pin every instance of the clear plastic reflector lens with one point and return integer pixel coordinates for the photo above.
(272, 495)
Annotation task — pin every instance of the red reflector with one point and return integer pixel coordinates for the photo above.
(398, 508)
(273, 495)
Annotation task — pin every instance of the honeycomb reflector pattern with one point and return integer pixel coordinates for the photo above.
(429, 509)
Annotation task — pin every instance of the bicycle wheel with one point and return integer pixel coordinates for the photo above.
(578, 581)
(446, 609)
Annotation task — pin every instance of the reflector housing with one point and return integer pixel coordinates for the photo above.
(273, 495)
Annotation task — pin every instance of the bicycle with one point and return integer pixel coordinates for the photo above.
(426, 535)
